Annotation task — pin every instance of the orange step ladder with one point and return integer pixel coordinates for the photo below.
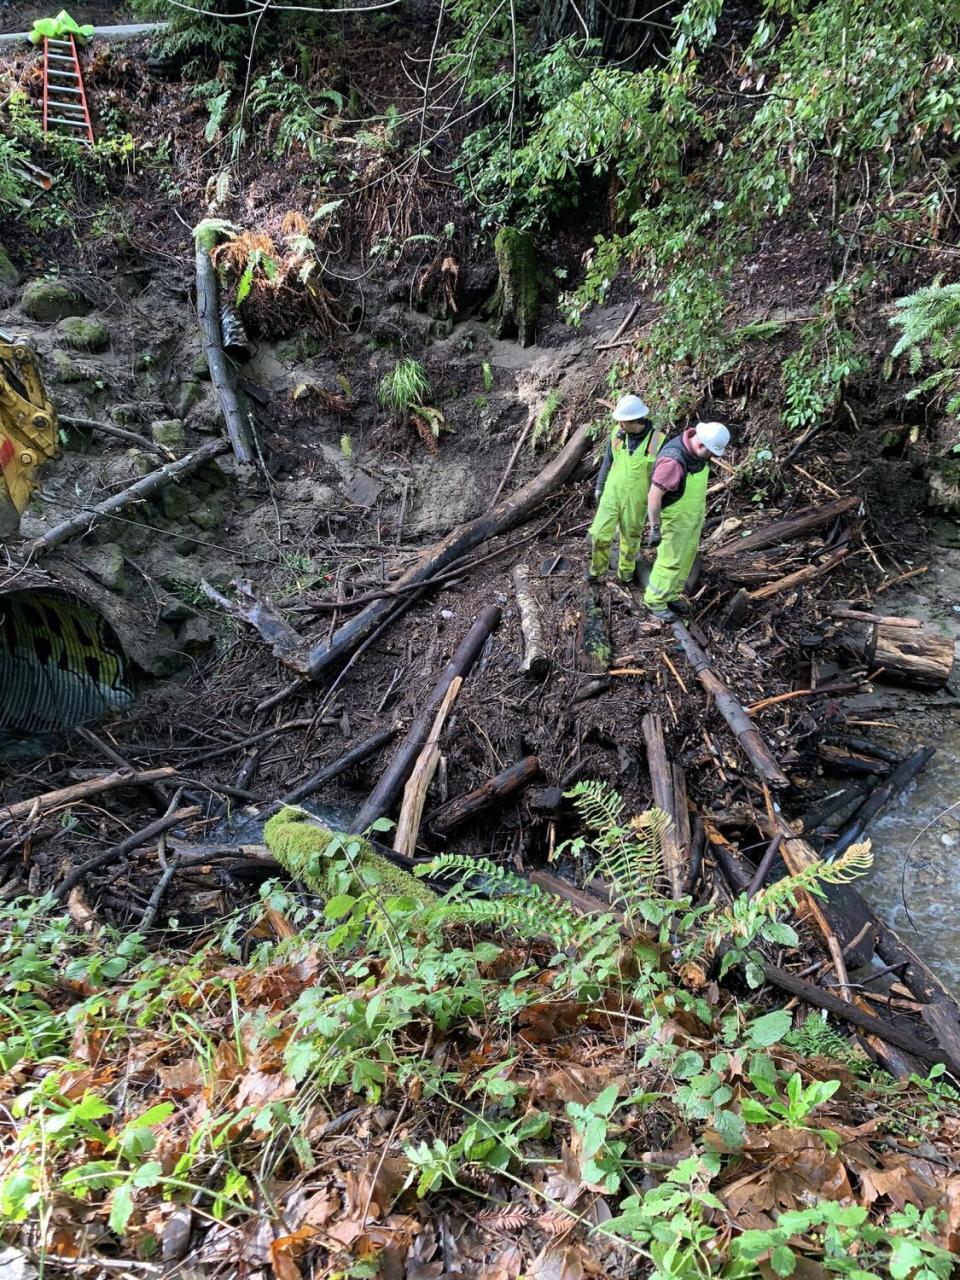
(65, 110)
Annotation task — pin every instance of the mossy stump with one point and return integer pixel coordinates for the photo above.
(516, 303)
(301, 846)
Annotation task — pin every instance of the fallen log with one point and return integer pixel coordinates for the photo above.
(593, 638)
(385, 793)
(536, 661)
(778, 531)
(667, 793)
(842, 760)
(208, 317)
(143, 488)
(753, 745)
(511, 511)
(920, 656)
(901, 650)
(799, 576)
(418, 784)
(859, 1018)
(312, 785)
(899, 779)
(499, 787)
(865, 746)
(82, 791)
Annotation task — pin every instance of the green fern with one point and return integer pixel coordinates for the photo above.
(597, 804)
(521, 907)
(629, 857)
(929, 323)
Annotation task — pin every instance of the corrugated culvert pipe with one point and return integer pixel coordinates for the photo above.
(61, 665)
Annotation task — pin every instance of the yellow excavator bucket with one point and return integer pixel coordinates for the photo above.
(28, 430)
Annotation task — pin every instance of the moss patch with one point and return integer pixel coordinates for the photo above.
(517, 300)
(51, 300)
(302, 847)
(83, 334)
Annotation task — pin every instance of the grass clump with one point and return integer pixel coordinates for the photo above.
(404, 388)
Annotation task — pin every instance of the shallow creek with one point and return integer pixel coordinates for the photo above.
(915, 881)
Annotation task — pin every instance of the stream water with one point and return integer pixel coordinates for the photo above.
(915, 881)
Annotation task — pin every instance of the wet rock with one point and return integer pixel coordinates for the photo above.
(9, 275)
(190, 393)
(206, 516)
(50, 300)
(144, 361)
(169, 433)
(105, 563)
(943, 485)
(195, 636)
(84, 334)
(65, 369)
(175, 502)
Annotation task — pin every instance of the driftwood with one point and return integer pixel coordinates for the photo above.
(799, 576)
(415, 792)
(511, 511)
(754, 747)
(789, 527)
(902, 650)
(669, 792)
(385, 793)
(593, 637)
(287, 645)
(536, 660)
(920, 656)
(82, 791)
(501, 785)
(208, 317)
(144, 488)
(901, 777)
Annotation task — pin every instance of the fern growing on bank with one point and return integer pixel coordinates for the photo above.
(929, 323)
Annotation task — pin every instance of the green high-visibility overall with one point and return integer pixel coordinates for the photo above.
(680, 526)
(623, 504)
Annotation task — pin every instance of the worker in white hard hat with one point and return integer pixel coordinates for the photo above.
(622, 487)
(676, 506)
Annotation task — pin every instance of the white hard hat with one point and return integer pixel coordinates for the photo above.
(629, 408)
(713, 436)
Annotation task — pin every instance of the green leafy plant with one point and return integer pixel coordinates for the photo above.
(404, 388)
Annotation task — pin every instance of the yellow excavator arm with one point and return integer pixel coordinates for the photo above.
(28, 430)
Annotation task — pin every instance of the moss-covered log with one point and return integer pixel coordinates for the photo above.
(302, 847)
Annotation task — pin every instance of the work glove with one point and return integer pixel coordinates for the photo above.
(653, 536)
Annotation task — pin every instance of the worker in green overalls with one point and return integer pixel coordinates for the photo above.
(622, 488)
(676, 506)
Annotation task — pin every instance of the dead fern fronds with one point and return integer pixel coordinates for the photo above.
(509, 1218)
(425, 432)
